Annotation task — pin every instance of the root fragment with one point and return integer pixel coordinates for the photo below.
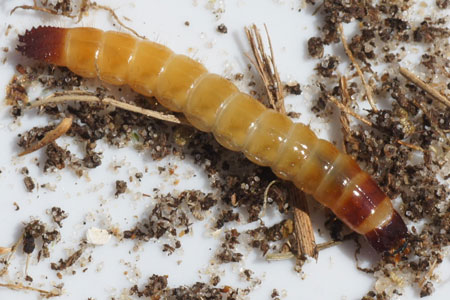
(266, 67)
(114, 16)
(279, 256)
(345, 122)
(358, 69)
(43, 293)
(41, 9)
(428, 275)
(326, 245)
(424, 86)
(88, 97)
(266, 196)
(347, 110)
(85, 6)
(414, 147)
(12, 251)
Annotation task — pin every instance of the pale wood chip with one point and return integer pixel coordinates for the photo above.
(50, 136)
(303, 227)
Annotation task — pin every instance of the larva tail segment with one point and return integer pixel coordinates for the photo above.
(44, 43)
(390, 237)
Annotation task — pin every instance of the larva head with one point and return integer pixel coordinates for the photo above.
(44, 44)
(390, 238)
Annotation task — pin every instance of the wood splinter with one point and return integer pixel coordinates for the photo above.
(303, 227)
(5, 250)
(50, 136)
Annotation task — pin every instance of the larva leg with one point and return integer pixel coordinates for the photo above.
(238, 121)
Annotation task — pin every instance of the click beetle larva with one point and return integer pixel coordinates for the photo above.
(238, 121)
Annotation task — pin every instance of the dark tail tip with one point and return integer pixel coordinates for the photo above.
(391, 237)
(43, 43)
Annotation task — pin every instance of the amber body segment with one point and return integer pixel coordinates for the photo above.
(143, 71)
(238, 121)
(82, 49)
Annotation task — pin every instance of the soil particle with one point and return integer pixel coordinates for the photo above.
(315, 47)
(442, 4)
(226, 216)
(428, 33)
(293, 88)
(121, 187)
(34, 230)
(427, 289)
(227, 252)
(29, 183)
(327, 66)
(56, 157)
(222, 28)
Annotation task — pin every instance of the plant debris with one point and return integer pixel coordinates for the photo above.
(58, 215)
(37, 229)
(70, 261)
(426, 87)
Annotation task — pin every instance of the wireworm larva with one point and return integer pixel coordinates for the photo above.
(239, 122)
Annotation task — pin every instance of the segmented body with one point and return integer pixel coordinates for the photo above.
(239, 122)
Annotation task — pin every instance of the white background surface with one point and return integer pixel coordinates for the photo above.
(91, 202)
